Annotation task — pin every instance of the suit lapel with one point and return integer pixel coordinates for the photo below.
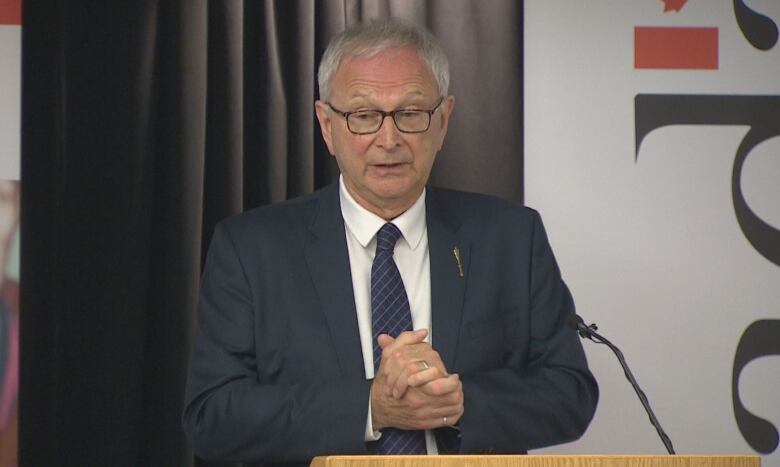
(328, 261)
(447, 286)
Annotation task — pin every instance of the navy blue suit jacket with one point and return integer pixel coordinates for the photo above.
(277, 371)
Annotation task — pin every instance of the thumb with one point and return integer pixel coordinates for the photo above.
(384, 340)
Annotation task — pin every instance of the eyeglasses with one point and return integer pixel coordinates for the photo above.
(365, 122)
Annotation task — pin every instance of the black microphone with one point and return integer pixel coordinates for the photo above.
(589, 332)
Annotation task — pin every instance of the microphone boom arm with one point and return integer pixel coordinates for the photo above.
(589, 332)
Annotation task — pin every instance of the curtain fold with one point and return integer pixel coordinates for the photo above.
(173, 241)
(143, 124)
(223, 177)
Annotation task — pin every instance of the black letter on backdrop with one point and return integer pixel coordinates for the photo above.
(758, 340)
(759, 30)
(762, 115)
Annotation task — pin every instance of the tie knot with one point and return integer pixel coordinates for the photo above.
(387, 236)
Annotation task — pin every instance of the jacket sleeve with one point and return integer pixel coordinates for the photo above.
(233, 410)
(542, 393)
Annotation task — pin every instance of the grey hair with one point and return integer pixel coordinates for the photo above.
(372, 37)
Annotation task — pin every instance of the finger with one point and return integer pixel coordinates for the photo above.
(423, 377)
(408, 360)
(402, 348)
(443, 421)
(425, 404)
(403, 354)
(384, 340)
(416, 410)
(398, 371)
(435, 417)
(416, 372)
(410, 337)
(441, 386)
(389, 344)
(399, 365)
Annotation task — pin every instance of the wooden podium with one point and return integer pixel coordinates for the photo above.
(539, 461)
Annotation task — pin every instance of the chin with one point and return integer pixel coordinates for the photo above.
(397, 197)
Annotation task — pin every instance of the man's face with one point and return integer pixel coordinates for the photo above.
(385, 171)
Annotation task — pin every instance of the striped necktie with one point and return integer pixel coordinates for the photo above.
(391, 315)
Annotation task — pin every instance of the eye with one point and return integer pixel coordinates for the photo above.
(363, 116)
(410, 115)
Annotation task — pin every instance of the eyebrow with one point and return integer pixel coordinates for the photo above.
(408, 95)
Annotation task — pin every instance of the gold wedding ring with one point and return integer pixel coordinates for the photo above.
(424, 364)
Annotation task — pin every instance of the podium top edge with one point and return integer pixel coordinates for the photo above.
(533, 460)
(526, 456)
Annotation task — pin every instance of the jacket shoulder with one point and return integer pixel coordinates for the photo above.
(279, 219)
(481, 207)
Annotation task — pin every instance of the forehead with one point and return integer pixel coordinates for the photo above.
(392, 72)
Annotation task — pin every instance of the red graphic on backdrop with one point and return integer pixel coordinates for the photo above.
(673, 5)
(676, 48)
(11, 12)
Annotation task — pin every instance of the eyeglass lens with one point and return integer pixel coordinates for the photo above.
(406, 120)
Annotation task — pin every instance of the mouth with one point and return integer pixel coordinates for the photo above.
(390, 170)
(390, 165)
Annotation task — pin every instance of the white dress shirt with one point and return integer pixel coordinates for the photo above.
(411, 257)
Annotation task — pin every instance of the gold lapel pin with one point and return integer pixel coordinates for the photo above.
(456, 253)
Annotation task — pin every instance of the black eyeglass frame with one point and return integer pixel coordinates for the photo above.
(384, 114)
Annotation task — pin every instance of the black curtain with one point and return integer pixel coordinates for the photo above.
(146, 122)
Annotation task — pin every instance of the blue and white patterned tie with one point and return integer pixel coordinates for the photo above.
(391, 315)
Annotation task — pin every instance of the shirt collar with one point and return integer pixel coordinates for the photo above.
(364, 224)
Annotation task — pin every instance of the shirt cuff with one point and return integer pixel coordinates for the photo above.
(370, 434)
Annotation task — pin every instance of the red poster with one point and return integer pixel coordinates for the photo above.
(11, 12)
(676, 48)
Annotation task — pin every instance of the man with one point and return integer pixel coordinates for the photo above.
(294, 356)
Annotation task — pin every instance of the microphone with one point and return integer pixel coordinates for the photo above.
(589, 332)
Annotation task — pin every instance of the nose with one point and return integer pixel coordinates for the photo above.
(388, 135)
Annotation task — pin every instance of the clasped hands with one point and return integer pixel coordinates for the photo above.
(412, 389)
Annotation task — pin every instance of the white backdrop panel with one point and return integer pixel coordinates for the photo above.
(651, 247)
(10, 103)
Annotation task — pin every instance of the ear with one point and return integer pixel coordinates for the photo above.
(446, 109)
(323, 117)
